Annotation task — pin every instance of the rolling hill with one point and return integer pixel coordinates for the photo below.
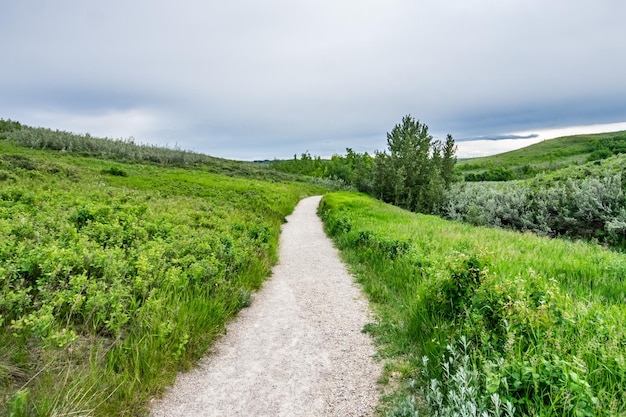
(549, 155)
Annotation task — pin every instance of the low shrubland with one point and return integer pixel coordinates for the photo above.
(483, 321)
(115, 276)
(586, 202)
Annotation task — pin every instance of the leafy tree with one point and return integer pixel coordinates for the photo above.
(449, 160)
(360, 168)
(413, 174)
(417, 169)
(306, 165)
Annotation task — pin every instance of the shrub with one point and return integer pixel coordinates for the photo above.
(588, 208)
(459, 390)
(111, 282)
(115, 171)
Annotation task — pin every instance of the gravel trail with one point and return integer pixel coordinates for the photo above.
(298, 350)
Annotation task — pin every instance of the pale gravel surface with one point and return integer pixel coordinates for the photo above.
(298, 350)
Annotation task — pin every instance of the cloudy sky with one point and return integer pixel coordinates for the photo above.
(264, 79)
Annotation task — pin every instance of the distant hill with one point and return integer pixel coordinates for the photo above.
(13, 133)
(549, 155)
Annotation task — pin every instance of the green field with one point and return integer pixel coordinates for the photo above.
(537, 321)
(119, 271)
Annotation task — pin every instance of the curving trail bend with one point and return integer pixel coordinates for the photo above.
(298, 350)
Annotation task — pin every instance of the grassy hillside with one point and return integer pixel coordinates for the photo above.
(119, 269)
(127, 151)
(475, 318)
(549, 155)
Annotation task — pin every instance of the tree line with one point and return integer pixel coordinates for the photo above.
(413, 172)
(417, 172)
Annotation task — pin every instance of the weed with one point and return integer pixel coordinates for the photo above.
(460, 391)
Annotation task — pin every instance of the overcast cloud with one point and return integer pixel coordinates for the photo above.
(252, 79)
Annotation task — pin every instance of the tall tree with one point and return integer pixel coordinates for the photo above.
(448, 160)
(417, 169)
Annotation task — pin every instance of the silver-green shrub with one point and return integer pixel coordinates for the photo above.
(459, 392)
(590, 208)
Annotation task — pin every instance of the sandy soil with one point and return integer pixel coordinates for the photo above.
(298, 350)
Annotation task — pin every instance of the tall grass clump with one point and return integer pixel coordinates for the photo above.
(505, 322)
(116, 276)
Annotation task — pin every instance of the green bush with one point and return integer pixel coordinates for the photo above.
(115, 171)
(9, 125)
(492, 174)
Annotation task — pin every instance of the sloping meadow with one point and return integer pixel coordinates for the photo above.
(481, 321)
(113, 276)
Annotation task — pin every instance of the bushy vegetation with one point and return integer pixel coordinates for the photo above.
(563, 197)
(7, 126)
(577, 206)
(354, 169)
(607, 145)
(503, 320)
(119, 271)
(85, 145)
(306, 165)
(115, 276)
(417, 170)
(496, 174)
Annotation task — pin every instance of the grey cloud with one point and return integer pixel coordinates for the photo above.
(280, 77)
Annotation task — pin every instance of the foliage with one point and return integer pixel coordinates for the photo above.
(417, 169)
(353, 170)
(589, 208)
(306, 165)
(605, 146)
(413, 175)
(539, 320)
(115, 276)
(9, 126)
(458, 393)
(492, 174)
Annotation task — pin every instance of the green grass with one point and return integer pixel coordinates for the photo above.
(116, 275)
(542, 317)
(549, 155)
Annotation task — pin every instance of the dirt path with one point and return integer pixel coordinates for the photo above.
(298, 350)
